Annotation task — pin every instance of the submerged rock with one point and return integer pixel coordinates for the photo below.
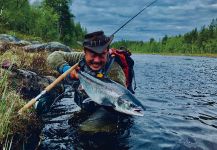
(100, 121)
(106, 121)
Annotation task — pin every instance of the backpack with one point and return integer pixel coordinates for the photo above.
(124, 59)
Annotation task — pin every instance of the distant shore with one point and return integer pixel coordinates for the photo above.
(179, 54)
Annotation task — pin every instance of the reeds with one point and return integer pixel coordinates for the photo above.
(12, 124)
(9, 103)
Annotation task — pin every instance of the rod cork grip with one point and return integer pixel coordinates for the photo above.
(27, 106)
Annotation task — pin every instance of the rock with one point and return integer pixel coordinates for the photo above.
(35, 42)
(31, 84)
(56, 46)
(28, 83)
(6, 64)
(8, 38)
(50, 47)
(34, 47)
(21, 43)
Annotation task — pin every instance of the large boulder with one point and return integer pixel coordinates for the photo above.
(8, 38)
(31, 46)
(29, 84)
(56, 46)
(50, 47)
(35, 42)
(35, 47)
(21, 43)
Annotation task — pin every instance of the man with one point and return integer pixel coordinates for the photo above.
(95, 60)
(62, 126)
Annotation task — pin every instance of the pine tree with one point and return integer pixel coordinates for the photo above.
(67, 28)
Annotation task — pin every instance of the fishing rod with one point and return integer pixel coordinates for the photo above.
(47, 89)
(146, 6)
(112, 36)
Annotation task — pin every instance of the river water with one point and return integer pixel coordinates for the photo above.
(180, 97)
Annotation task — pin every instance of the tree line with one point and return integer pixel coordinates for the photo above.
(196, 41)
(49, 20)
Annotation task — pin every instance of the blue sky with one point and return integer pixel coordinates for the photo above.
(171, 17)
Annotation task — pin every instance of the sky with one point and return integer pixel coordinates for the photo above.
(165, 17)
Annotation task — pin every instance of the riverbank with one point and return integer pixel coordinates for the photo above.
(16, 129)
(179, 54)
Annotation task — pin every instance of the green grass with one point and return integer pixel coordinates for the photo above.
(12, 124)
(9, 103)
(20, 35)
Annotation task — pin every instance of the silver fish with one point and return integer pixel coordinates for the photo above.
(109, 93)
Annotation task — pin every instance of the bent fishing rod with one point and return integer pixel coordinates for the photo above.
(148, 4)
(63, 76)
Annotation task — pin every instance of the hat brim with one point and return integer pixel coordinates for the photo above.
(98, 49)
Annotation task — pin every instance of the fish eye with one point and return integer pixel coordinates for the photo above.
(132, 105)
(120, 102)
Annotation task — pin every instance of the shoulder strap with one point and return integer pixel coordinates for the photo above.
(109, 65)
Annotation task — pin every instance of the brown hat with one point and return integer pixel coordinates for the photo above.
(96, 41)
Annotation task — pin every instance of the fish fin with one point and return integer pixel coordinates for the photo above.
(87, 100)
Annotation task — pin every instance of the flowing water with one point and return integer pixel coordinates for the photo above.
(180, 97)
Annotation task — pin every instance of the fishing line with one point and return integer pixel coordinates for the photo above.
(148, 4)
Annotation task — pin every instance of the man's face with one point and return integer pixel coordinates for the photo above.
(94, 60)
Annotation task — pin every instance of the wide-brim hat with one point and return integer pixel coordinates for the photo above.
(96, 41)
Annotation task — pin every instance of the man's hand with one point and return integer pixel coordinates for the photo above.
(74, 73)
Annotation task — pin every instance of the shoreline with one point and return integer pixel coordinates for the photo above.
(178, 54)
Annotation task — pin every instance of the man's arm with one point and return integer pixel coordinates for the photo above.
(59, 59)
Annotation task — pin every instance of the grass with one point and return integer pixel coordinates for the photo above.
(35, 62)
(12, 125)
(20, 35)
(10, 102)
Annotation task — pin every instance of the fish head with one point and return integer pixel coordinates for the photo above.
(125, 105)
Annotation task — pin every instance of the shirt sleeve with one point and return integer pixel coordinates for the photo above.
(58, 59)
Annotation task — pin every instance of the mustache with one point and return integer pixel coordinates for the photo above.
(96, 63)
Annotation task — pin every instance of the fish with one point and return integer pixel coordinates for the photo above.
(107, 92)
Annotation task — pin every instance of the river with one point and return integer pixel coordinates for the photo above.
(180, 96)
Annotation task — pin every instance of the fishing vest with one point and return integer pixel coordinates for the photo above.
(123, 58)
